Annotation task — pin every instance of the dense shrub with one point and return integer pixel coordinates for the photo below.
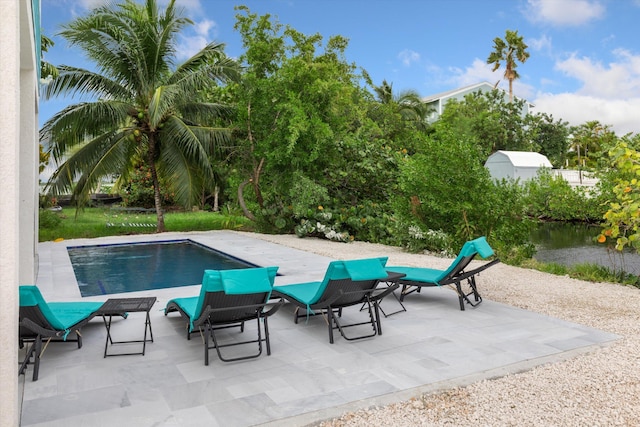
(551, 197)
(138, 191)
(447, 189)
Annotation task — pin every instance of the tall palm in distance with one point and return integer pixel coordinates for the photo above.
(511, 50)
(145, 108)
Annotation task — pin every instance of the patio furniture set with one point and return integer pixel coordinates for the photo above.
(230, 298)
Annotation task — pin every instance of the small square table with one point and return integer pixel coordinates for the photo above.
(388, 282)
(121, 307)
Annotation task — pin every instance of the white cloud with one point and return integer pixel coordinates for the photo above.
(192, 8)
(203, 27)
(542, 43)
(189, 45)
(91, 4)
(621, 114)
(480, 71)
(608, 93)
(616, 80)
(408, 57)
(565, 12)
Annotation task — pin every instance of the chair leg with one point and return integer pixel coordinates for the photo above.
(36, 357)
(207, 331)
(266, 335)
(330, 323)
(295, 315)
(460, 295)
(376, 308)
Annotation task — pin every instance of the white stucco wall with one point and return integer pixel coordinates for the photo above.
(18, 213)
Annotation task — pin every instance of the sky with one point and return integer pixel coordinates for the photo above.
(584, 59)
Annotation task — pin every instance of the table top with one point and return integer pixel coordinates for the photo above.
(120, 305)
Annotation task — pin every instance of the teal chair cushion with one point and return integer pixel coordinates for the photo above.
(360, 269)
(417, 274)
(247, 281)
(306, 293)
(239, 281)
(429, 275)
(60, 315)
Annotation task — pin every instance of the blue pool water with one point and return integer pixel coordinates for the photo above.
(111, 269)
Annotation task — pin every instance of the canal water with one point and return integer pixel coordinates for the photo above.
(569, 244)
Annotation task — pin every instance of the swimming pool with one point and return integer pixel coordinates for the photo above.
(131, 267)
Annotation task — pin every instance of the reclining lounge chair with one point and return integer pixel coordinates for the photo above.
(54, 321)
(415, 277)
(229, 298)
(345, 283)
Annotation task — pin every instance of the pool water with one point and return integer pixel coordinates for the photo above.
(111, 269)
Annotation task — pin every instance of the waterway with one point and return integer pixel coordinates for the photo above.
(569, 244)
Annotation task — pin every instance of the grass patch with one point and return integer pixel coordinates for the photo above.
(587, 271)
(104, 221)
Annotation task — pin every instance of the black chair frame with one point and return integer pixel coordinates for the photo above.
(223, 311)
(455, 278)
(345, 293)
(33, 327)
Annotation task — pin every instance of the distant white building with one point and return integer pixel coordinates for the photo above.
(437, 103)
(522, 165)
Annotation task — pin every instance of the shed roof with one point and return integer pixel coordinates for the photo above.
(522, 158)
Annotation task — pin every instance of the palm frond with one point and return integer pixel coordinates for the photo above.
(73, 81)
(107, 154)
(80, 122)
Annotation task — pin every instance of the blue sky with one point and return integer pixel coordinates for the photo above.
(584, 63)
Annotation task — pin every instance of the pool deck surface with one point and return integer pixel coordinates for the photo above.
(431, 346)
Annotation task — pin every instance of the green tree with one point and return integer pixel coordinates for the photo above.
(145, 108)
(487, 120)
(407, 104)
(301, 118)
(621, 224)
(46, 69)
(589, 142)
(511, 50)
(548, 137)
(446, 188)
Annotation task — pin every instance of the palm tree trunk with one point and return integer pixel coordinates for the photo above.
(511, 90)
(160, 228)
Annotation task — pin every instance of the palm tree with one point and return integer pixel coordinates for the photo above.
(407, 103)
(509, 50)
(146, 109)
(46, 69)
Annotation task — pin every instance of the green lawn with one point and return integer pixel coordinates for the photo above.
(98, 222)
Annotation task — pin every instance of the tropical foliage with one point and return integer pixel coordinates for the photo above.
(143, 110)
(302, 141)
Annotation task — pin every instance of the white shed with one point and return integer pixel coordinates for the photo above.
(521, 165)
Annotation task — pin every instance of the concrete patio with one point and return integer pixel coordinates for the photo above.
(432, 345)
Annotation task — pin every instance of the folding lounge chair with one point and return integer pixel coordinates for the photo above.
(415, 277)
(228, 298)
(54, 321)
(345, 283)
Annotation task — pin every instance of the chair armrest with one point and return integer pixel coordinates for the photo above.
(34, 327)
(467, 274)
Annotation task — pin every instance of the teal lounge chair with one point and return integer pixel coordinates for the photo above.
(55, 321)
(345, 283)
(416, 277)
(229, 298)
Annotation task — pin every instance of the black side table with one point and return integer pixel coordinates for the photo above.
(120, 307)
(390, 281)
